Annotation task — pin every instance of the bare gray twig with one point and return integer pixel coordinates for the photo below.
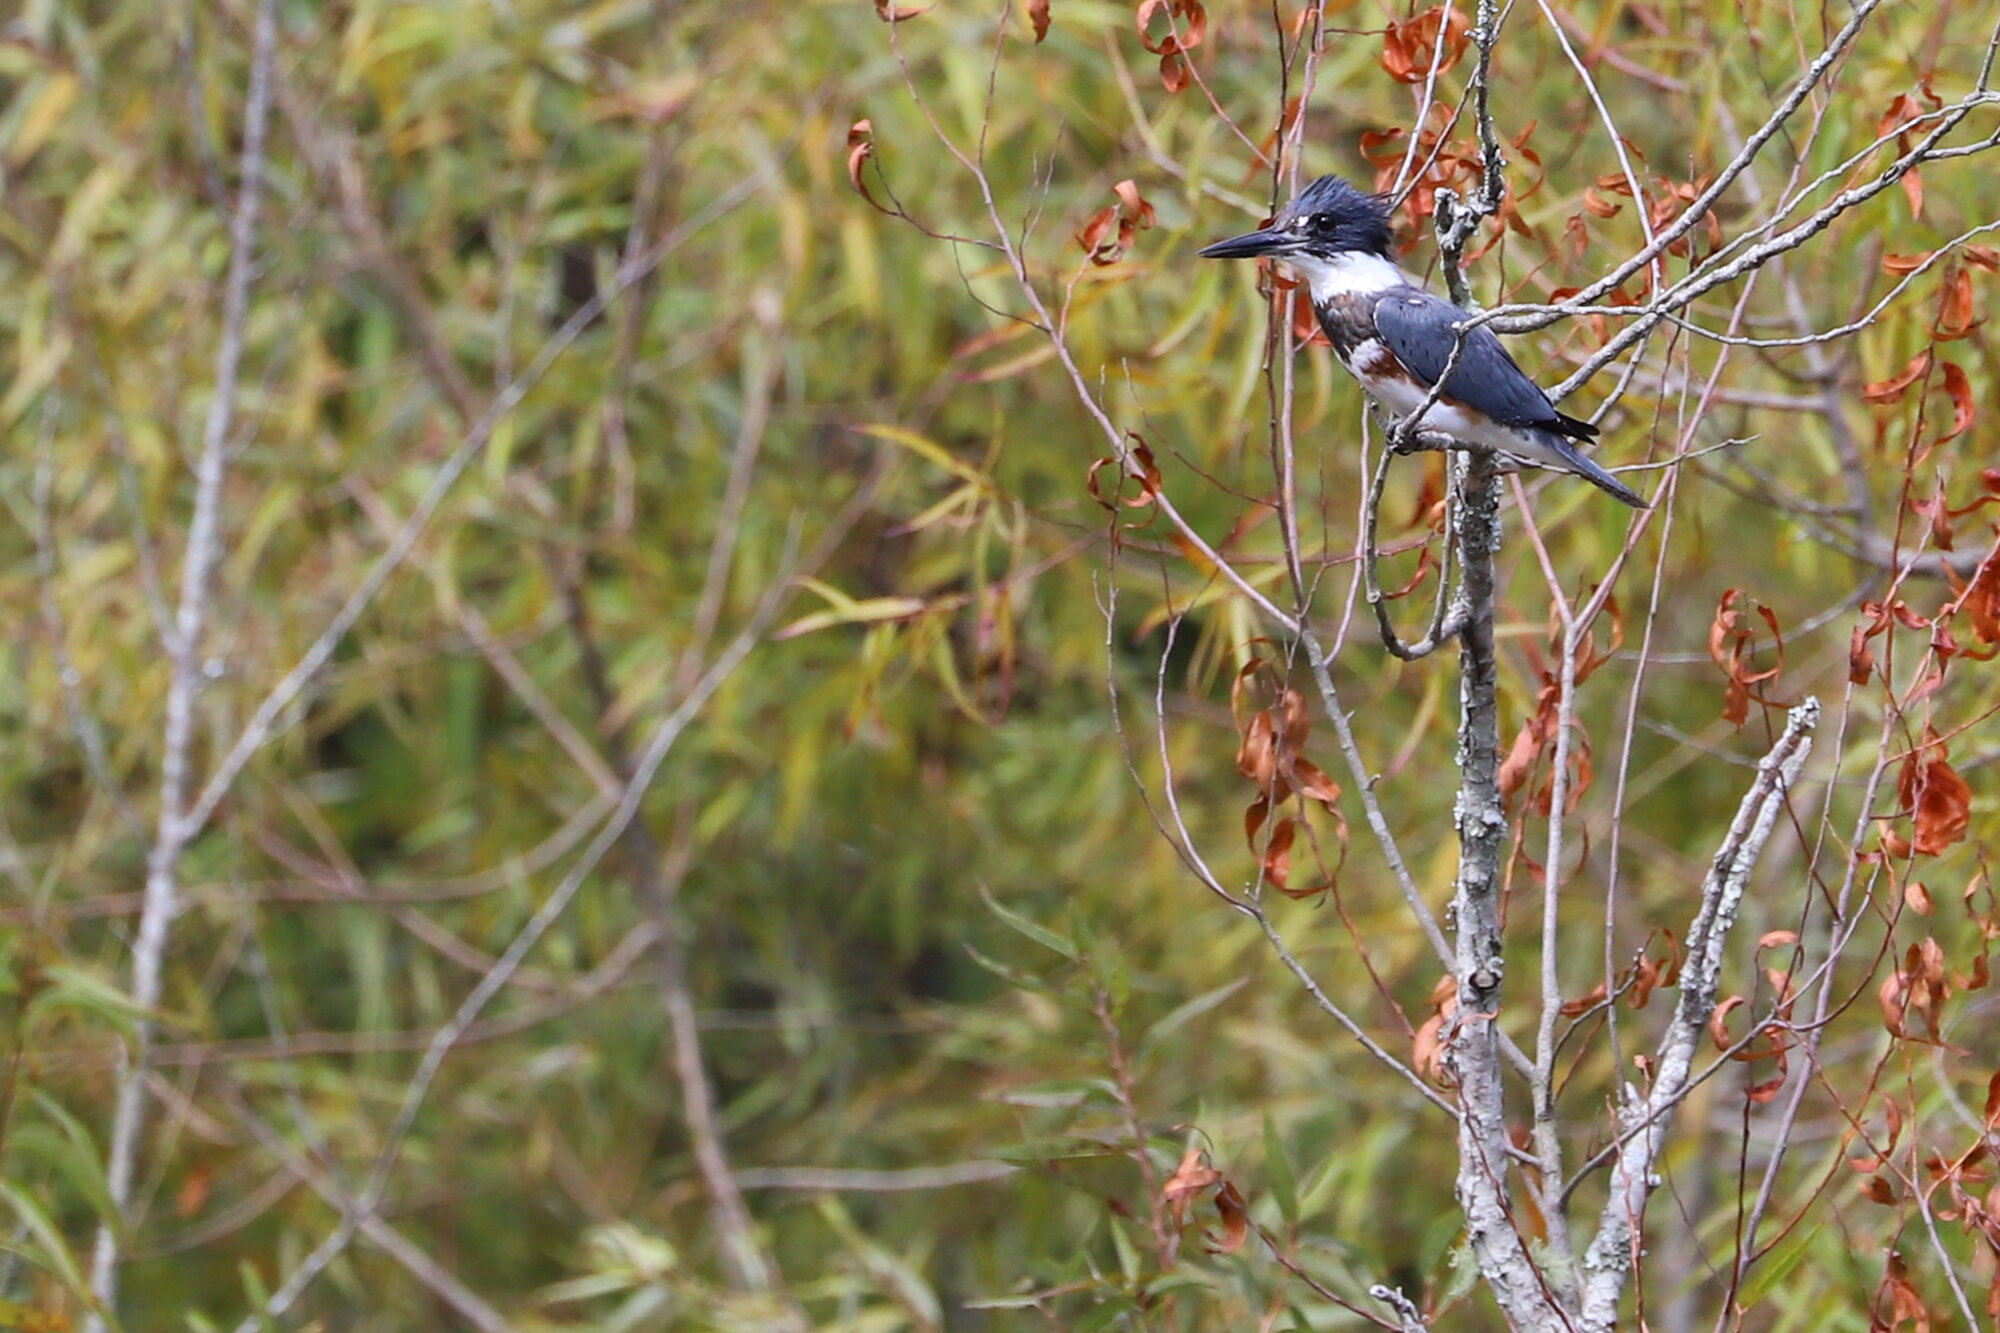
(187, 673)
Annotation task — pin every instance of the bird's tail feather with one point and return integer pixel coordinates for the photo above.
(1574, 427)
(1574, 461)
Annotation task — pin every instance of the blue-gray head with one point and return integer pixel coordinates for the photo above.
(1328, 218)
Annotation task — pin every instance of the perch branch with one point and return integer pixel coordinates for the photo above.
(1473, 1053)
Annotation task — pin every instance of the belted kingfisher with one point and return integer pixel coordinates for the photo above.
(1397, 339)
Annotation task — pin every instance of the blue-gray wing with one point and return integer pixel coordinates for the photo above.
(1417, 327)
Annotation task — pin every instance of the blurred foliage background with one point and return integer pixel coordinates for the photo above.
(903, 865)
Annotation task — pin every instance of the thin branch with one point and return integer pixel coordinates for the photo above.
(467, 1303)
(187, 670)
(1700, 205)
(1472, 1053)
(1444, 625)
(1050, 326)
(1708, 278)
(1405, 1309)
(1613, 1250)
(1371, 806)
(1347, 1023)
(1165, 1238)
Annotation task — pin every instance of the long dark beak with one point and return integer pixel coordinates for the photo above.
(1249, 245)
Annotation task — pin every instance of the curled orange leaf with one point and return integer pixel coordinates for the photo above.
(1414, 50)
(1892, 389)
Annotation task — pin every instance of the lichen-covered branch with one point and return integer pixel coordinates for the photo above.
(1474, 1055)
(1644, 1117)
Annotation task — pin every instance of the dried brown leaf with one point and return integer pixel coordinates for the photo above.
(1189, 1179)
(1311, 782)
(1940, 801)
(1597, 205)
(1235, 1220)
(861, 147)
(1091, 236)
(1957, 311)
(1278, 854)
(1139, 467)
(1411, 47)
(1892, 389)
(1959, 389)
(1730, 644)
(1718, 1022)
(1860, 657)
(1133, 204)
(1174, 12)
(193, 1194)
(1583, 1004)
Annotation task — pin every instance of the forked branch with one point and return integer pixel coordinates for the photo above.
(1644, 1117)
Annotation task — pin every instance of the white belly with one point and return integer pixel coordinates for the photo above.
(1401, 396)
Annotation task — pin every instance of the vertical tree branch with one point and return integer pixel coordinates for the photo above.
(1481, 819)
(184, 656)
(1517, 1282)
(1645, 1117)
